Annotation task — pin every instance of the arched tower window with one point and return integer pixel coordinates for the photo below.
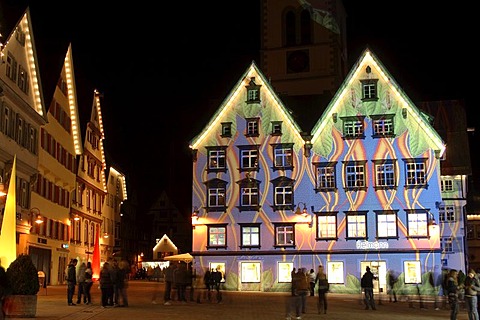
(305, 27)
(290, 28)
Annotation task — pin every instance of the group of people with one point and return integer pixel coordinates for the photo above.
(178, 276)
(471, 288)
(303, 285)
(212, 280)
(113, 283)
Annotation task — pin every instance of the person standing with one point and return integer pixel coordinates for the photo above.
(303, 287)
(367, 286)
(207, 280)
(391, 283)
(88, 282)
(292, 275)
(81, 283)
(106, 285)
(121, 284)
(452, 289)
(180, 278)
(312, 278)
(323, 287)
(217, 280)
(71, 281)
(472, 287)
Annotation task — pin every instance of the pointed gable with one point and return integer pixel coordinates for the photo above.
(237, 103)
(20, 64)
(370, 90)
(72, 100)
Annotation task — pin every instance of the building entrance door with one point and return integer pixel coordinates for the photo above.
(379, 270)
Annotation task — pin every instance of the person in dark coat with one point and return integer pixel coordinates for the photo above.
(106, 285)
(169, 271)
(181, 278)
(323, 287)
(367, 286)
(71, 281)
(217, 280)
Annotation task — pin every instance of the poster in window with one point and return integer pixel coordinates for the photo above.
(250, 272)
(285, 271)
(412, 272)
(335, 272)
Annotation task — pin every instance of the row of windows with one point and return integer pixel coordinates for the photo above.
(326, 180)
(61, 116)
(51, 229)
(418, 222)
(57, 151)
(52, 192)
(14, 126)
(17, 73)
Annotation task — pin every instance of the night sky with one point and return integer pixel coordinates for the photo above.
(165, 68)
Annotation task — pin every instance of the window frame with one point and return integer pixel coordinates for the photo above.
(277, 128)
(285, 183)
(369, 89)
(222, 155)
(246, 154)
(326, 176)
(414, 174)
(244, 235)
(381, 122)
(353, 127)
(210, 244)
(252, 127)
(447, 213)
(285, 155)
(253, 92)
(387, 175)
(387, 225)
(216, 184)
(252, 184)
(421, 224)
(226, 130)
(319, 217)
(351, 222)
(288, 234)
(360, 164)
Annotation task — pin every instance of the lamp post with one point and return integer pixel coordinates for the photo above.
(195, 214)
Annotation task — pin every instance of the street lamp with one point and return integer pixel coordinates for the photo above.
(35, 214)
(303, 212)
(195, 214)
(2, 188)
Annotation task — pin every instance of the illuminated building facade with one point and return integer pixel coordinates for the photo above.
(363, 188)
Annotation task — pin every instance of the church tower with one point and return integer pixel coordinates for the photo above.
(303, 48)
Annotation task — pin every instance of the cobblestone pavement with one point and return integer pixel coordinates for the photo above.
(52, 305)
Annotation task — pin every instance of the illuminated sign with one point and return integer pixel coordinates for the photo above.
(365, 245)
(64, 245)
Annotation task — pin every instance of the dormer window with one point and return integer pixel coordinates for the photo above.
(253, 91)
(353, 127)
(369, 90)
(252, 127)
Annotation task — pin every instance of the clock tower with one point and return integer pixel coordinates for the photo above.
(303, 47)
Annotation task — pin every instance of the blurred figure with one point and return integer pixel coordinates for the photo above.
(323, 287)
(472, 288)
(452, 289)
(121, 284)
(311, 278)
(392, 279)
(217, 280)
(106, 285)
(81, 283)
(302, 287)
(88, 282)
(181, 280)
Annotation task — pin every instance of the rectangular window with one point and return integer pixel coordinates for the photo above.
(283, 156)
(385, 174)
(387, 224)
(446, 185)
(217, 159)
(216, 197)
(326, 177)
(353, 128)
(446, 213)
(252, 127)
(327, 226)
(226, 129)
(217, 236)
(355, 175)
(249, 159)
(250, 235)
(417, 223)
(250, 272)
(253, 95)
(357, 226)
(249, 197)
(369, 89)
(446, 244)
(11, 68)
(415, 172)
(383, 126)
(276, 128)
(283, 195)
(284, 235)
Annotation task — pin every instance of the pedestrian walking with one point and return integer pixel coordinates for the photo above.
(302, 287)
(367, 286)
(392, 279)
(88, 282)
(71, 281)
(81, 283)
(452, 289)
(167, 298)
(121, 285)
(323, 288)
(106, 285)
(312, 277)
(472, 288)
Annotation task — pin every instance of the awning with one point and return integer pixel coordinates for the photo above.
(185, 257)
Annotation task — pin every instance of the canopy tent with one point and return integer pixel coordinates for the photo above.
(185, 257)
